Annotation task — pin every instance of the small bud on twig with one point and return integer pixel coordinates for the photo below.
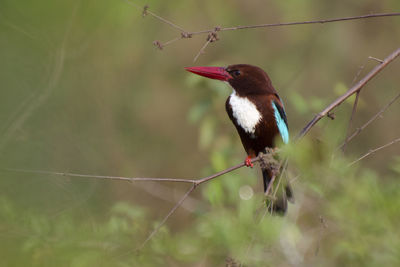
(186, 35)
(212, 37)
(158, 44)
(330, 115)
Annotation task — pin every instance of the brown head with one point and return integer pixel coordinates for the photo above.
(245, 79)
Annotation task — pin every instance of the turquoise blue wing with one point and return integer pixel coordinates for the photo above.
(281, 121)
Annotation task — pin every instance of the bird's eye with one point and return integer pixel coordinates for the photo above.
(235, 73)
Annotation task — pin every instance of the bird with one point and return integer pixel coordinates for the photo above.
(256, 111)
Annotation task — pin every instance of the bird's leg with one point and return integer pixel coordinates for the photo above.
(248, 162)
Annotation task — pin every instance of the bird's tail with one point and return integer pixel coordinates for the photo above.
(280, 204)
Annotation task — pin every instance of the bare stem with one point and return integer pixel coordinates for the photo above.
(187, 34)
(173, 25)
(353, 112)
(271, 182)
(377, 115)
(350, 92)
(121, 178)
(356, 100)
(372, 151)
(177, 205)
(146, 11)
(321, 21)
(201, 51)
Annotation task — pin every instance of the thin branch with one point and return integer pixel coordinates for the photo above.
(187, 34)
(353, 112)
(177, 205)
(146, 11)
(171, 41)
(206, 179)
(195, 182)
(377, 115)
(173, 25)
(350, 92)
(121, 178)
(201, 51)
(374, 150)
(212, 37)
(359, 72)
(356, 100)
(271, 182)
(321, 21)
(377, 59)
(163, 192)
(266, 25)
(355, 103)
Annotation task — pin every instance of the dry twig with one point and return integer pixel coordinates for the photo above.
(377, 115)
(350, 92)
(177, 205)
(371, 151)
(356, 100)
(353, 112)
(184, 34)
(212, 37)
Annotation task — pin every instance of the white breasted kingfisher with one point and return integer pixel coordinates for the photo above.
(255, 109)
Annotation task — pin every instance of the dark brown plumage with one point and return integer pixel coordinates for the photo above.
(262, 138)
(255, 109)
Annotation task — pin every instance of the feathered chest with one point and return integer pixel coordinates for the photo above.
(267, 118)
(244, 112)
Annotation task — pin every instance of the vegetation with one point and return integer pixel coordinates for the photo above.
(85, 91)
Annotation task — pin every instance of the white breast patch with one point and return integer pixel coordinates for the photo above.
(245, 112)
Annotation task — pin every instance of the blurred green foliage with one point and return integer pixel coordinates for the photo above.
(83, 90)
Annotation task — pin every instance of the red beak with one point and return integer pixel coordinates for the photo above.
(217, 73)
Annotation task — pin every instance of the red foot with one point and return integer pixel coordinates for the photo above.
(248, 163)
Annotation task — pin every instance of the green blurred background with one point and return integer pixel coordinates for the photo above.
(83, 90)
